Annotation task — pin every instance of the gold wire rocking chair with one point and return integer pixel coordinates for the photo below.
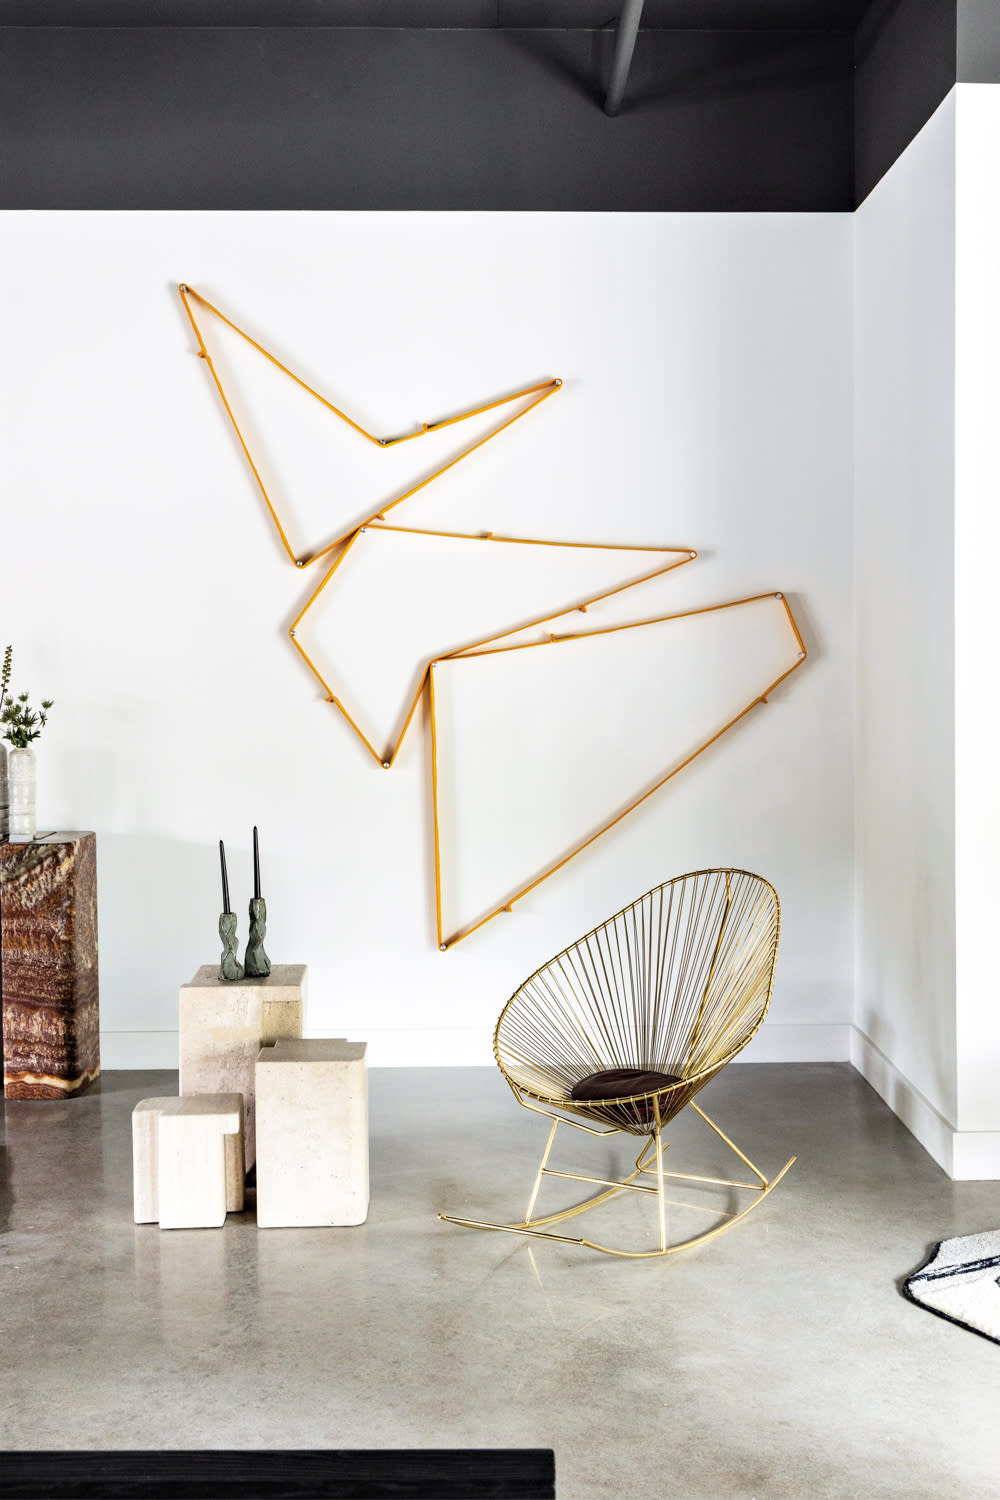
(628, 1024)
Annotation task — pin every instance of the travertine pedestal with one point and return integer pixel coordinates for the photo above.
(48, 966)
(223, 1025)
(312, 1134)
(183, 1173)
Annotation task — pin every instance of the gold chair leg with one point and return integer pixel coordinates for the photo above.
(660, 1200)
(541, 1171)
(532, 1227)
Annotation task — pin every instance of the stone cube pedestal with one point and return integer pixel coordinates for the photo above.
(48, 966)
(312, 1134)
(183, 1163)
(223, 1025)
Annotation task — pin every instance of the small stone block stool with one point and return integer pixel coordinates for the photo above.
(312, 1134)
(183, 1164)
(223, 1025)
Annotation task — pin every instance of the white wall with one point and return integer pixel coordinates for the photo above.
(707, 369)
(977, 623)
(927, 529)
(904, 324)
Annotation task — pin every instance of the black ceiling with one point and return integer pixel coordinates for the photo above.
(753, 15)
(730, 105)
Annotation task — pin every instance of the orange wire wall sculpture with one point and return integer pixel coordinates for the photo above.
(498, 640)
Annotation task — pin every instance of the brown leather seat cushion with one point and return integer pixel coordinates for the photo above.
(620, 1083)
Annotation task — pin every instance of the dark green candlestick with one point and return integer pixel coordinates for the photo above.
(257, 963)
(230, 966)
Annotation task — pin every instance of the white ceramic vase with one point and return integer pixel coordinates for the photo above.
(4, 821)
(21, 791)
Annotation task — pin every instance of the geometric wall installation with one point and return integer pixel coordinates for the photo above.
(403, 597)
(538, 749)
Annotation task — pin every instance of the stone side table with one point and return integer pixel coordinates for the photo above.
(312, 1133)
(48, 966)
(182, 1175)
(223, 1026)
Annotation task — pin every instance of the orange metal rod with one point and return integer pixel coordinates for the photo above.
(445, 944)
(378, 515)
(388, 759)
(542, 390)
(549, 386)
(323, 583)
(472, 411)
(582, 607)
(331, 698)
(703, 609)
(204, 354)
(293, 637)
(535, 541)
(189, 291)
(473, 648)
(442, 945)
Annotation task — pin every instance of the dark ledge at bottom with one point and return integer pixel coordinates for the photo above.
(250, 1474)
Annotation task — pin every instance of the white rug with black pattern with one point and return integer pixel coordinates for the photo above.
(960, 1281)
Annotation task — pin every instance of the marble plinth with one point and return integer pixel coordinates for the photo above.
(312, 1134)
(182, 1161)
(223, 1025)
(48, 966)
(4, 796)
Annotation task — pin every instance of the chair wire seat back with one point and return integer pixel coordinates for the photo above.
(676, 983)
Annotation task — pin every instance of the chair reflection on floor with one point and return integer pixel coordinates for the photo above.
(620, 1031)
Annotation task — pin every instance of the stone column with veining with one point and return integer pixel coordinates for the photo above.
(48, 966)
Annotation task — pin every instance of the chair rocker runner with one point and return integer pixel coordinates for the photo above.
(618, 1033)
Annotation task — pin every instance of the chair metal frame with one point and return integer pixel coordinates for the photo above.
(734, 972)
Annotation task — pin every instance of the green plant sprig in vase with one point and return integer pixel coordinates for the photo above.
(21, 723)
(20, 726)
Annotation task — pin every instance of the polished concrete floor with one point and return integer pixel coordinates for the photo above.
(776, 1361)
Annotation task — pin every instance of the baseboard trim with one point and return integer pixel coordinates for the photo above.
(918, 1114)
(966, 1155)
